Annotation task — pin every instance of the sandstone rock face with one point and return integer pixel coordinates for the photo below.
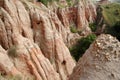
(5, 63)
(79, 16)
(86, 13)
(33, 40)
(100, 62)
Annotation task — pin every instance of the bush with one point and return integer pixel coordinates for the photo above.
(93, 27)
(117, 12)
(45, 2)
(115, 30)
(82, 45)
(73, 29)
(12, 51)
(107, 7)
(69, 2)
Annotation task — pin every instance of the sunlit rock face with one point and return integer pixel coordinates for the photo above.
(79, 16)
(33, 38)
(100, 62)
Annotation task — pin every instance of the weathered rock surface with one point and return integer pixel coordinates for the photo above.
(100, 62)
(86, 13)
(79, 16)
(37, 38)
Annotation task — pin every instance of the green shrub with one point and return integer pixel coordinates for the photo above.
(82, 45)
(117, 12)
(69, 2)
(111, 14)
(12, 51)
(45, 2)
(93, 27)
(73, 29)
(115, 30)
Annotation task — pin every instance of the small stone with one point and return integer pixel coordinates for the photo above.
(107, 54)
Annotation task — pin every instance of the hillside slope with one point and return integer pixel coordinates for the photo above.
(108, 19)
(111, 13)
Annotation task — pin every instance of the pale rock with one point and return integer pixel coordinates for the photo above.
(104, 66)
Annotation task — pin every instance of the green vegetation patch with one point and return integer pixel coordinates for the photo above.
(114, 30)
(82, 45)
(111, 13)
(45, 2)
(12, 51)
(93, 27)
(70, 2)
(73, 29)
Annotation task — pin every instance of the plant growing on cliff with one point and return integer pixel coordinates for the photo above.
(73, 28)
(82, 45)
(69, 2)
(93, 27)
(45, 2)
(12, 51)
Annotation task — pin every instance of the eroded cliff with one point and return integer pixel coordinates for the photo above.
(34, 39)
